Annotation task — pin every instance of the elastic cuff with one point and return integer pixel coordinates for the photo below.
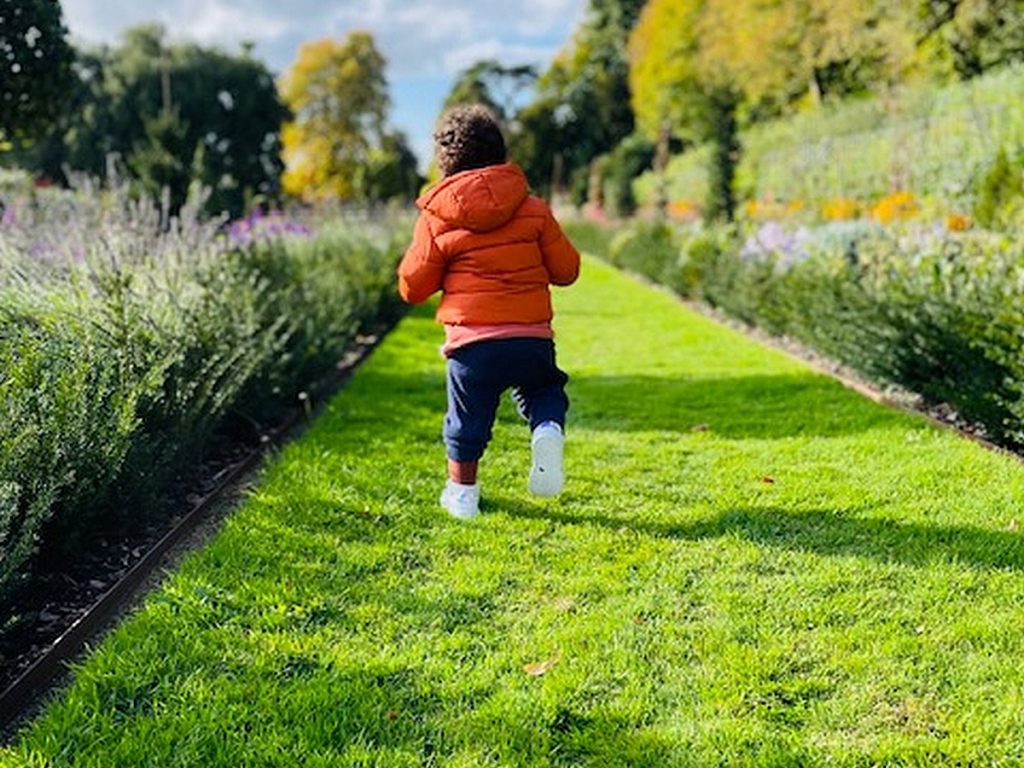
(464, 452)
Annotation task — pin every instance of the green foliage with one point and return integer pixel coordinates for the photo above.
(490, 83)
(646, 247)
(338, 146)
(582, 106)
(937, 143)
(1001, 192)
(588, 236)
(118, 371)
(800, 58)
(177, 115)
(978, 35)
(693, 613)
(620, 167)
(68, 421)
(721, 200)
(35, 69)
(686, 178)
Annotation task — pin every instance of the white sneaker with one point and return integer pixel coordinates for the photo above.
(461, 501)
(546, 474)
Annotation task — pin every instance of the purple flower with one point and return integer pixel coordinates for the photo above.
(774, 240)
(260, 226)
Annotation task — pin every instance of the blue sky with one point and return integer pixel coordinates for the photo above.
(426, 42)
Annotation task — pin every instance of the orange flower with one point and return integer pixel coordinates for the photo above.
(683, 209)
(957, 222)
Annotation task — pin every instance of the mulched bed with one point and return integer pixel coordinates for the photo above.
(59, 593)
(62, 591)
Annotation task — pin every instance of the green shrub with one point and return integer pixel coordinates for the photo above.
(1001, 192)
(66, 426)
(933, 142)
(125, 349)
(589, 236)
(627, 161)
(646, 247)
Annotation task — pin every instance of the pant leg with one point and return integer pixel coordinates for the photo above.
(539, 392)
(473, 397)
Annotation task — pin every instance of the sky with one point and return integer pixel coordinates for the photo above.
(426, 42)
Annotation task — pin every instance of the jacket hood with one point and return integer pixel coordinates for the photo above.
(479, 200)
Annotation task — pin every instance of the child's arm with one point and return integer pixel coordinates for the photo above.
(421, 272)
(561, 259)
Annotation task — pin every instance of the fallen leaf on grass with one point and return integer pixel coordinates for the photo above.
(701, 428)
(768, 480)
(539, 668)
(564, 605)
(1013, 524)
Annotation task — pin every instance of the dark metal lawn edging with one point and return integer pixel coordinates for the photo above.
(21, 696)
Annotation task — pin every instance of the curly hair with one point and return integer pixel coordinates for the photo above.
(468, 137)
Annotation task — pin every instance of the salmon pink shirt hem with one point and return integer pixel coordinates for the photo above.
(461, 335)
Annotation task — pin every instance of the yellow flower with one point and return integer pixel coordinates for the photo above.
(898, 206)
(840, 209)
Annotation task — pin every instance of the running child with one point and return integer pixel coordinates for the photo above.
(492, 249)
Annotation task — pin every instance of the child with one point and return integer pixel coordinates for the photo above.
(492, 249)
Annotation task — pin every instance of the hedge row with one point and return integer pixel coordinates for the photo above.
(128, 340)
(939, 313)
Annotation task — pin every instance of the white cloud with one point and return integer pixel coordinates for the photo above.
(509, 54)
(416, 37)
(218, 22)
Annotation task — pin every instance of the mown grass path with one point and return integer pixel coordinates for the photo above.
(864, 608)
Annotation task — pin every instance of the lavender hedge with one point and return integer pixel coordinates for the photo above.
(128, 337)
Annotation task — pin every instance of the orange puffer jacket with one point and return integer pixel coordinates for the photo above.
(490, 246)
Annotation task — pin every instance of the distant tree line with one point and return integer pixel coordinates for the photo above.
(639, 80)
(175, 117)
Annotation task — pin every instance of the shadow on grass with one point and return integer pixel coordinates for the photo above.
(753, 406)
(825, 532)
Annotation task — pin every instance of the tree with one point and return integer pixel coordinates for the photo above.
(490, 83)
(582, 102)
(338, 93)
(664, 79)
(683, 86)
(392, 171)
(973, 35)
(175, 116)
(35, 70)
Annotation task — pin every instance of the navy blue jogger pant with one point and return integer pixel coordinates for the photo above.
(479, 373)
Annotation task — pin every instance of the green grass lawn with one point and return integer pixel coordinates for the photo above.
(811, 579)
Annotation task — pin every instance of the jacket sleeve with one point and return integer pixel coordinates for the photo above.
(561, 259)
(421, 272)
